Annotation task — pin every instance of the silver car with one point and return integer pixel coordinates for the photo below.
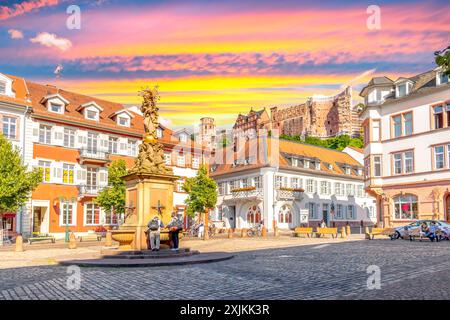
(442, 225)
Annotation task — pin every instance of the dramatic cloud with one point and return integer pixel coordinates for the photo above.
(24, 7)
(51, 40)
(15, 34)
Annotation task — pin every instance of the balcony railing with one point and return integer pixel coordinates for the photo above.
(289, 194)
(84, 190)
(250, 193)
(94, 154)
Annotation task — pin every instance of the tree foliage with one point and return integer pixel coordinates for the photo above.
(113, 196)
(338, 143)
(16, 183)
(443, 59)
(201, 191)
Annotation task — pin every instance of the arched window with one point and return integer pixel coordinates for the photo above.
(285, 214)
(405, 207)
(253, 214)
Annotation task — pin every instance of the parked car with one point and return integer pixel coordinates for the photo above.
(400, 231)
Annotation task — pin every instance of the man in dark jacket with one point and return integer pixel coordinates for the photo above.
(175, 226)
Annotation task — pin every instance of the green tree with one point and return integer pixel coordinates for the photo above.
(202, 192)
(202, 195)
(112, 198)
(16, 183)
(356, 142)
(443, 59)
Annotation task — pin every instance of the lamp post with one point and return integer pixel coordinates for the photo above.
(65, 200)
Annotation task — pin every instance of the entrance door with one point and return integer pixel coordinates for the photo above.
(232, 216)
(447, 207)
(325, 213)
(40, 220)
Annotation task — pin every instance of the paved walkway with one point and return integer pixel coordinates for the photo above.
(321, 270)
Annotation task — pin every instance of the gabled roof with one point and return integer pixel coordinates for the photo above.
(129, 113)
(54, 96)
(90, 104)
(19, 87)
(265, 156)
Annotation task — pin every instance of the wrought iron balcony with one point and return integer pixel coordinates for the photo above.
(88, 190)
(289, 194)
(95, 155)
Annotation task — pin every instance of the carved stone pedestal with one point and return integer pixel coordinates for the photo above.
(147, 195)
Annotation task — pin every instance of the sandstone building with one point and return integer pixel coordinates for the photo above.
(319, 116)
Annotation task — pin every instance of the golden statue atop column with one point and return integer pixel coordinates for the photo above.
(151, 151)
(149, 184)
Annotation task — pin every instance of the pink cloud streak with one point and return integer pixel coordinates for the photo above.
(25, 7)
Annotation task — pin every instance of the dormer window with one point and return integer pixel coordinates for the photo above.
(123, 121)
(2, 87)
(183, 137)
(317, 165)
(91, 114)
(347, 170)
(442, 78)
(159, 133)
(402, 90)
(359, 171)
(57, 108)
(306, 164)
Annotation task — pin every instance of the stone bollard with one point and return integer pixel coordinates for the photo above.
(108, 242)
(243, 233)
(275, 232)
(19, 244)
(348, 231)
(343, 233)
(366, 232)
(230, 233)
(72, 241)
(264, 232)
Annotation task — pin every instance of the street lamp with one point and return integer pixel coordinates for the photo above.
(63, 200)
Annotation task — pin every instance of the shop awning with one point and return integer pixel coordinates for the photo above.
(7, 215)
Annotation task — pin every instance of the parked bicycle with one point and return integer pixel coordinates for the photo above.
(255, 231)
(194, 230)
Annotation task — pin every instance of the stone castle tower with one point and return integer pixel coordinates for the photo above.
(207, 134)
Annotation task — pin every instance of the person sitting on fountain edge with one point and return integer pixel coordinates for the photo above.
(154, 228)
(175, 226)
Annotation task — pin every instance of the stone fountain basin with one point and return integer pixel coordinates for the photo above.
(124, 238)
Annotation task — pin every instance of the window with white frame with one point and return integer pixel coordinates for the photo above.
(123, 121)
(9, 127)
(181, 160)
(183, 137)
(403, 162)
(377, 166)
(359, 190)
(351, 212)
(180, 185)
(245, 183)
(350, 189)
(278, 181)
(45, 134)
(44, 167)
(195, 162)
(310, 185)
(91, 114)
(54, 107)
(168, 159)
(91, 214)
(324, 187)
(405, 207)
(67, 214)
(306, 164)
(443, 78)
(439, 157)
(112, 145)
(376, 133)
(68, 173)
(337, 188)
(294, 183)
(132, 148)
(257, 182)
(69, 138)
(221, 187)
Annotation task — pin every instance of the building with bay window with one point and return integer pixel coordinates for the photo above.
(275, 180)
(73, 138)
(407, 146)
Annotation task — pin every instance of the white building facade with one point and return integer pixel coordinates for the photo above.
(324, 189)
(407, 146)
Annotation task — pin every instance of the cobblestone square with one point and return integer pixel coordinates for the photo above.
(321, 270)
